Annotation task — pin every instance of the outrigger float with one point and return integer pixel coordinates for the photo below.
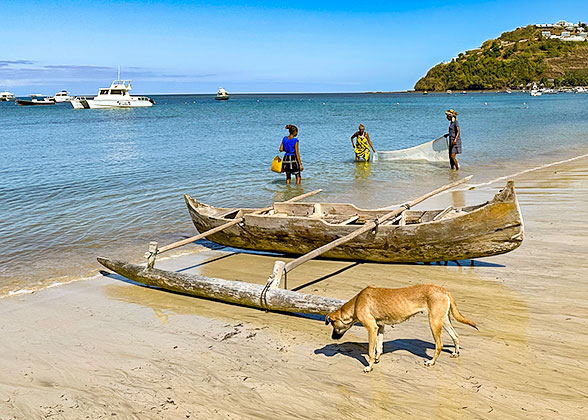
(338, 231)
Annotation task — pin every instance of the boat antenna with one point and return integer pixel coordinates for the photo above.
(118, 74)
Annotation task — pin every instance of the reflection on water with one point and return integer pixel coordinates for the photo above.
(363, 170)
(117, 152)
(288, 191)
(458, 198)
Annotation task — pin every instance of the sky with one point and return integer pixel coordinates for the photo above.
(248, 46)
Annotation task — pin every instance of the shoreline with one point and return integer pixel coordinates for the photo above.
(91, 268)
(106, 347)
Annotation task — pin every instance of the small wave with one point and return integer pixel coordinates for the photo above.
(481, 185)
(536, 168)
(29, 290)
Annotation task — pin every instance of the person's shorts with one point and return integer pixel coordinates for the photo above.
(456, 148)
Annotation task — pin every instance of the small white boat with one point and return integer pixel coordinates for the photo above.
(116, 96)
(62, 96)
(7, 96)
(222, 95)
(548, 91)
(535, 92)
(36, 99)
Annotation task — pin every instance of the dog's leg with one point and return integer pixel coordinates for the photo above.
(380, 343)
(436, 323)
(372, 329)
(449, 328)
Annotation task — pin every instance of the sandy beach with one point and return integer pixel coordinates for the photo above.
(106, 348)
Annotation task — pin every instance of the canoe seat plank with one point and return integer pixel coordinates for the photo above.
(350, 220)
(443, 213)
(226, 214)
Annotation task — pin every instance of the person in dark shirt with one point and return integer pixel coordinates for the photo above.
(454, 144)
(292, 163)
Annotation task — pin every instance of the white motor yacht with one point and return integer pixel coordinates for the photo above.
(80, 102)
(116, 96)
(222, 95)
(535, 92)
(7, 96)
(62, 96)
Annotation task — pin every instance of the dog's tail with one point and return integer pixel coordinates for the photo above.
(457, 315)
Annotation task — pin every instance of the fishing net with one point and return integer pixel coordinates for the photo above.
(433, 151)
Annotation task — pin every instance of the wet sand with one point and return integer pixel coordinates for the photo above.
(104, 348)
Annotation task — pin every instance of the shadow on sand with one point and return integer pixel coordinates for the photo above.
(359, 350)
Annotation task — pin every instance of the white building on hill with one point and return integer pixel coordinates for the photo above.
(561, 24)
(570, 31)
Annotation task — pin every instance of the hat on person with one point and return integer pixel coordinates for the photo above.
(451, 113)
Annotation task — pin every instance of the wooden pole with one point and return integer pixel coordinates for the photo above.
(151, 255)
(236, 292)
(365, 228)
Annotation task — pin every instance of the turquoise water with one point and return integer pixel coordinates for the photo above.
(79, 183)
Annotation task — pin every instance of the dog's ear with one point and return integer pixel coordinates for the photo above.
(327, 320)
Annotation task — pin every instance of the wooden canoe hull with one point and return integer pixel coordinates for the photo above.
(490, 229)
(229, 291)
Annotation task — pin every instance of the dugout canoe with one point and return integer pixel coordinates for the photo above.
(491, 228)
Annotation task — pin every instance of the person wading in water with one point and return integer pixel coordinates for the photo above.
(292, 163)
(362, 150)
(454, 144)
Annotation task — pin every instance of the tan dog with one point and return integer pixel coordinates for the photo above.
(374, 307)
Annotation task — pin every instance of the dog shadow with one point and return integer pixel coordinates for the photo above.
(359, 351)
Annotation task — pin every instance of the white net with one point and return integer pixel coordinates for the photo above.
(433, 151)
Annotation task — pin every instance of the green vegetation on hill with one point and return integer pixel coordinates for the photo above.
(515, 58)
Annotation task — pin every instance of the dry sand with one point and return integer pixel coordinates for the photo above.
(103, 348)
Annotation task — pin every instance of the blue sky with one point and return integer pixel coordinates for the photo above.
(247, 46)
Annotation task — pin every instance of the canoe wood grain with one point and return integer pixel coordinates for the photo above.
(229, 291)
(491, 228)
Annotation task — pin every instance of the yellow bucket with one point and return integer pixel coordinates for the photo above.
(277, 164)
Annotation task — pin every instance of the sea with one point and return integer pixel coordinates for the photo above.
(77, 184)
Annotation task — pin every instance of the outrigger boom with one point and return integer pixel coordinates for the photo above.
(229, 291)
